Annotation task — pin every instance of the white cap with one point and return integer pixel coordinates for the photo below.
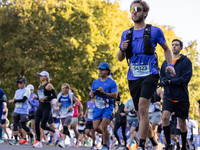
(4, 103)
(44, 73)
(30, 87)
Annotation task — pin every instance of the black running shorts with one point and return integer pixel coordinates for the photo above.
(143, 87)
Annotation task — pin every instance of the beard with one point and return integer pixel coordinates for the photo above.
(140, 19)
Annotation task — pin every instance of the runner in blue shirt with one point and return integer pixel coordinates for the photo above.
(105, 91)
(21, 111)
(3, 98)
(143, 66)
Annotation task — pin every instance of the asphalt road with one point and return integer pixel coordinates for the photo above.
(6, 146)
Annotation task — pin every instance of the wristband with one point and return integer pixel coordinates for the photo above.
(170, 65)
(122, 50)
(104, 95)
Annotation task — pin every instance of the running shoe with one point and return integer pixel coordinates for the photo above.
(49, 143)
(118, 145)
(23, 142)
(38, 145)
(77, 144)
(93, 147)
(14, 142)
(104, 148)
(61, 144)
(35, 142)
(71, 144)
(56, 143)
(1, 141)
(139, 148)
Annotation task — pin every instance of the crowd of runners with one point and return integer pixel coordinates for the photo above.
(47, 117)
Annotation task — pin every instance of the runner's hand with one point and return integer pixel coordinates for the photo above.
(11, 101)
(70, 107)
(124, 45)
(101, 90)
(171, 70)
(91, 93)
(34, 97)
(42, 99)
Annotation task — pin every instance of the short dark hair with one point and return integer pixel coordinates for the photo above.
(143, 3)
(180, 42)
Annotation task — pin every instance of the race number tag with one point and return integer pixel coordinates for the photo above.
(140, 69)
(41, 93)
(100, 103)
(64, 110)
(90, 114)
(18, 105)
(29, 106)
(152, 107)
(81, 127)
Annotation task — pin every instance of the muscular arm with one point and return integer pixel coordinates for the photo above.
(120, 55)
(112, 95)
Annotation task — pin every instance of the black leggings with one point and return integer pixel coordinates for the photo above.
(123, 126)
(42, 114)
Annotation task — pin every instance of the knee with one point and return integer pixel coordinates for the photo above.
(165, 118)
(142, 111)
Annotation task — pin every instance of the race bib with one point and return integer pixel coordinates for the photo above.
(100, 103)
(41, 93)
(152, 107)
(90, 114)
(18, 105)
(140, 69)
(29, 106)
(81, 127)
(64, 110)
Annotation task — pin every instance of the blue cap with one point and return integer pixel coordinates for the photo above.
(104, 65)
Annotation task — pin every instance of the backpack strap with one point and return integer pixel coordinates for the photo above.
(148, 48)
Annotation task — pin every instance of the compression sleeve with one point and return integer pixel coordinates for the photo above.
(21, 100)
(53, 95)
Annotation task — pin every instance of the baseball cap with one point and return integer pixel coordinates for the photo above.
(43, 73)
(21, 79)
(30, 87)
(104, 65)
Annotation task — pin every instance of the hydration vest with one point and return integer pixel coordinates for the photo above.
(148, 48)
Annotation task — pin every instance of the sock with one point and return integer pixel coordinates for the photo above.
(167, 134)
(178, 146)
(15, 137)
(153, 141)
(193, 146)
(51, 138)
(183, 137)
(0, 133)
(142, 143)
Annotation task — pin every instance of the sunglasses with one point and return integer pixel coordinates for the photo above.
(136, 9)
